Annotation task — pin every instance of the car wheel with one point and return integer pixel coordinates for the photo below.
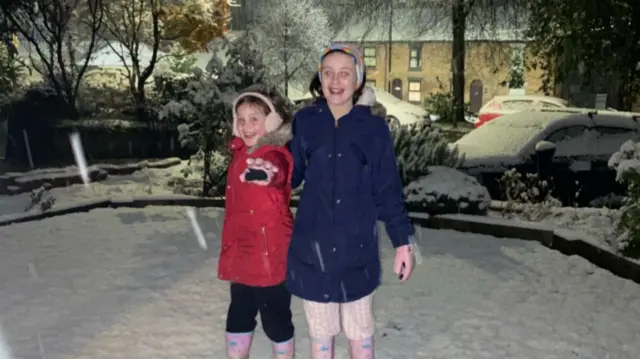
(392, 121)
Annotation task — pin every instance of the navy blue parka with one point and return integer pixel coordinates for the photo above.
(351, 180)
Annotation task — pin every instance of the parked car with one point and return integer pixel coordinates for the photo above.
(570, 148)
(399, 112)
(503, 105)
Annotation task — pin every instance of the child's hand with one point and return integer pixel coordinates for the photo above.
(260, 165)
(403, 264)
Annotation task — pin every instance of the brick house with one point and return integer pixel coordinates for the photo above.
(420, 63)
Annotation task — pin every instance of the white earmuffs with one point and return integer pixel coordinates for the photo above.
(273, 119)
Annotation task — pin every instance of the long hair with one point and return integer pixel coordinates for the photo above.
(315, 87)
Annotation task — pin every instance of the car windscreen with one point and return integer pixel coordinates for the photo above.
(497, 138)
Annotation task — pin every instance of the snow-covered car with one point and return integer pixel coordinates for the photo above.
(504, 105)
(399, 112)
(571, 148)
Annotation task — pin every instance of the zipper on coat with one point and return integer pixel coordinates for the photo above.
(335, 168)
(265, 258)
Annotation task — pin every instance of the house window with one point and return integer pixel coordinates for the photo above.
(371, 83)
(370, 57)
(415, 57)
(415, 91)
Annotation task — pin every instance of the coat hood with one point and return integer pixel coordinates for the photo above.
(280, 137)
(368, 97)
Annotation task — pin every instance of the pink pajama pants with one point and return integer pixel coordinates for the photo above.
(326, 320)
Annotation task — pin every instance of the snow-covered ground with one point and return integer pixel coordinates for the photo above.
(594, 225)
(132, 283)
(141, 183)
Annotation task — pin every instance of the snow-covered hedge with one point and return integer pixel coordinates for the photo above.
(419, 146)
(447, 190)
(626, 162)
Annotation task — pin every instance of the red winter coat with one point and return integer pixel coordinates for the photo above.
(257, 221)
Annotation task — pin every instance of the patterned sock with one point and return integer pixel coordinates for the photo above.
(322, 348)
(362, 349)
(284, 350)
(238, 345)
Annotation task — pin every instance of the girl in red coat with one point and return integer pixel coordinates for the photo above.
(257, 227)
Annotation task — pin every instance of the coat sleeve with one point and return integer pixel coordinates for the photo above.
(388, 193)
(282, 163)
(298, 152)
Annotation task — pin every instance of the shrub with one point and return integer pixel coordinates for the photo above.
(447, 190)
(419, 146)
(626, 162)
(105, 92)
(192, 183)
(442, 104)
(526, 194)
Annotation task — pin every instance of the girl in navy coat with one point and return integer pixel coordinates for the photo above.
(345, 157)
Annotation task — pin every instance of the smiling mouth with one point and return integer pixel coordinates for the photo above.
(336, 91)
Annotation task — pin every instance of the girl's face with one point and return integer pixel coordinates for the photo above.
(339, 79)
(250, 123)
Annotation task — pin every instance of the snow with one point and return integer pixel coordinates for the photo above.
(140, 183)
(449, 182)
(594, 225)
(5, 353)
(510, 139)
(132, 283)
(406, 112)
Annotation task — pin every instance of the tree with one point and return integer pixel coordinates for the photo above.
(195, 23)
(457, 15)
(290, 36)
(61, 36)
(133, 27)
(602, 38)
(138, 31)
(11, 72)
(203, 108)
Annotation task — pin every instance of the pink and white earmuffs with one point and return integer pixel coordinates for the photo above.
(273, 119)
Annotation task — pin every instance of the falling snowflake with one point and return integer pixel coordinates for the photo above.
(78, 153)
(5, 351)
(316, 246)
(197, 230)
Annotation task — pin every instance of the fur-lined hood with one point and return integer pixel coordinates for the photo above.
(368, 97)
(279, 137)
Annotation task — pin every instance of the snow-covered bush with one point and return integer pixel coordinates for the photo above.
(442, 105)
(41, 197)
(105, 91)
(419, 146)
(527, 194)
(447, 190)
(626, 162)
(191, 185)
(202, 109)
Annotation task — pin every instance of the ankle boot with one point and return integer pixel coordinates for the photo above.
(362, 349)
(239, 345)
(284, 350)
(322, 349)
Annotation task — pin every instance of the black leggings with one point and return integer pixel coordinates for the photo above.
(274, 305)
